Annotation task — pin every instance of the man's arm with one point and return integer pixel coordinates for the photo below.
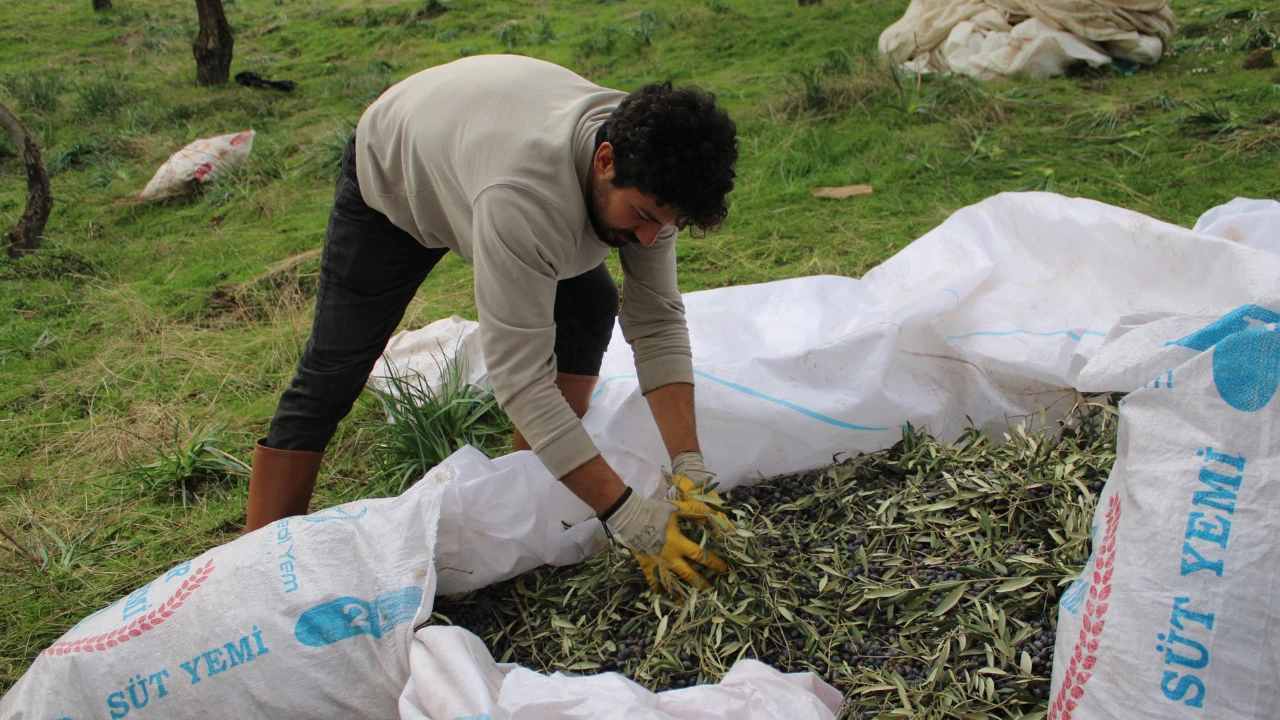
(653, 322)
(672, 408)
(596, 484)
(515, 286)
(652, 316)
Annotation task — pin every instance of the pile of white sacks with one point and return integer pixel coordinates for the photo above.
(1010, 306)
(987, 39)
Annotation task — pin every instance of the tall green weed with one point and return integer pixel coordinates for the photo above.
(424, 425)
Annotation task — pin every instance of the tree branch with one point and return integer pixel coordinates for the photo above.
(26, 237)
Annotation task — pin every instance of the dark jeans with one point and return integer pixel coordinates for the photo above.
(369, 271)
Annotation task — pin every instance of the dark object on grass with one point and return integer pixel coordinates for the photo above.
(1194, 30)
(1258, 38)
(1123, 67)
(25, 238)
(99, 5)
(254, 80)
(212, 46)
(1260, 59)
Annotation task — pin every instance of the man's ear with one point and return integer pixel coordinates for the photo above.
(602, 163)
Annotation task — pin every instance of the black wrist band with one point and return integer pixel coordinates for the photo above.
(604, 516)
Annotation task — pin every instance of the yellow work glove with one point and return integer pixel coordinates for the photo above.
(651, 530)
(691, 482)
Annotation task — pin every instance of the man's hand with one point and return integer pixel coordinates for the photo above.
(692, 483)
(651, 530)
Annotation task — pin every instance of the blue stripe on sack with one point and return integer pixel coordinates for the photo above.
(608, 380)
(1005, 333)
(757, 394)
(784, 403)
(953, 292)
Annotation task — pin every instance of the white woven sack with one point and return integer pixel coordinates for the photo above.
(310, 617)
(202, 161)
(1172, 616)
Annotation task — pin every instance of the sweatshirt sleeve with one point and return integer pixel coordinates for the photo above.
(652, 316)
(516, 244)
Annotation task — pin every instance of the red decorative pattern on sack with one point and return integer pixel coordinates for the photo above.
(1092, 623)
(127, 632)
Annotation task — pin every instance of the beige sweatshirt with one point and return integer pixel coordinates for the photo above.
(489, 157)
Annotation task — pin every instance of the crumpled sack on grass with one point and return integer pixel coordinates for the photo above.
(202, 161)
(987, 39)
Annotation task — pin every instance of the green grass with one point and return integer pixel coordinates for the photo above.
(138, 318)
(183, 468)
(38, 91)
(425, 426)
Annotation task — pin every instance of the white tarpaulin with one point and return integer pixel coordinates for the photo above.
(993, 38)
(1008, 307)
(454, 676)
(987, 318)
(1248, 222)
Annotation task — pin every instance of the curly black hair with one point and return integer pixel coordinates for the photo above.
(675, 144)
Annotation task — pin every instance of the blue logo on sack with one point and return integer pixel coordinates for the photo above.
(1074, 596)
(1246, 356)
(347, 617)
(339, 514)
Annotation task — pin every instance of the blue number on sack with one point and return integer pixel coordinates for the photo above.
(1246, 356)
(347, 617)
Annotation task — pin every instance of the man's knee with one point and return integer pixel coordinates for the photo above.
(590, 298)
(322, 392)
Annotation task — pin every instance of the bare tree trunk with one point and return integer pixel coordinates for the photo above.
(100, 5)
(25, 238)
(212, 46)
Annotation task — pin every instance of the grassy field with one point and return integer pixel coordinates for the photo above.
(143, 350)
